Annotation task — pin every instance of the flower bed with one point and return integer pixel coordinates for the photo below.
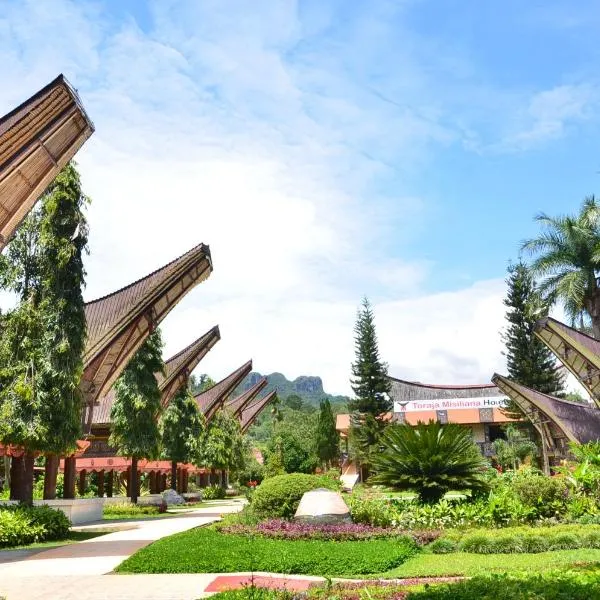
(294, 530)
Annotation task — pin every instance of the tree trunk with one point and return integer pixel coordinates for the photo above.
(50, 475)
(174, 475)
(69, 477)
(133, 487)
(21, 478)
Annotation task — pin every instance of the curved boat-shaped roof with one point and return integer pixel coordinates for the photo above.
(238, 404)
(37, 139)
(250, 414)
(179, 367)
(213, 398)
(118, 324)
(580, 353)
(554, 418)
(415, 390)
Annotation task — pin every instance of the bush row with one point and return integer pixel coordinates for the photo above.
(21, 525)
(125, 509)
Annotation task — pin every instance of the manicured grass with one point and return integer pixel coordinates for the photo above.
(469, 565)
(204, 550)
(73, 538)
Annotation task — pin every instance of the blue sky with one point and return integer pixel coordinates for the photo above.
(325, 150)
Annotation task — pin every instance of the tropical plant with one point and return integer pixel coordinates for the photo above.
(567, 260)
(182, 427)
(529, 361)
(327, 436)
(429, 458)
(136, 409)
(42, 339)
(515, 449)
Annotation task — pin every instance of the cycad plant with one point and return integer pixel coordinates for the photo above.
(430, 459)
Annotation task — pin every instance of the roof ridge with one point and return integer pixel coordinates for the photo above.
(468, 386)
(214, 329)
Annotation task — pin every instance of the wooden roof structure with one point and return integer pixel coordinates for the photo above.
(214, 397)
(179, 367)
(558, 421)
(118, 324)
(238, 404)
(250, 414)
(580, 353)
(414, 390)
(37, 139)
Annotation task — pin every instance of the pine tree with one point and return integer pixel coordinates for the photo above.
(136, 409)
(327, 436)
(529, 361)
(371, 387)
(42, 339)
(182, 426)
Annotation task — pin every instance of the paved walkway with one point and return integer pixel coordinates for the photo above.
(78, 571)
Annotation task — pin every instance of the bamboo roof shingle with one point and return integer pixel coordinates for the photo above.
(238, 404)
(580, 353)
(250, 414)
(179, 367)
(213, 398)
(557, 419)
(118, 324)
(37, 139)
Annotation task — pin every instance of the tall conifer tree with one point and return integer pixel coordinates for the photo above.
(529, 361)
(327, 436)
(182, 426)
(371, 387)
(42, 339)
(136, 409)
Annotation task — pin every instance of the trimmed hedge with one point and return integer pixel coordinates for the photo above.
(280, 496)
(127, 509)
(205, 550)
(22, 525)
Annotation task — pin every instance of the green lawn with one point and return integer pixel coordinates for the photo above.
(204, 550)
(462, 563)
(73, 538)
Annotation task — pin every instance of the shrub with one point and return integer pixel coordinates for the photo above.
(21, 525)
(279, 496)
(213, 492)
(546, 495)
(131, 510)
(443, 546)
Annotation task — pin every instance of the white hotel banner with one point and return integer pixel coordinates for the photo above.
(451, 404)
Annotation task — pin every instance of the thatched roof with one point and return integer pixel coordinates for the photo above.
(118, 324)
(213, 398)
(237, 405)
(250, 414)
(560, 420)
(414, 390)
(580, 353)
(37, 139)
(179, 367)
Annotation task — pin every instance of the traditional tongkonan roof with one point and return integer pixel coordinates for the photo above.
(250, 414)
(213, 398)
(238, 404)
(557, 420)
(118, 324)
(179, 367)
(580, 353)
(414, 390)
(37, 139)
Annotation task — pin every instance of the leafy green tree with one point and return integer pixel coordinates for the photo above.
(567, 261)
(182, 428)
(42, 339)
(327, 436)
(224, 446)
(294, 402)
(274, 462)
(201, 383)
(371, 388)
(430, 459)
(528, 360)
(136, 409)
(515, 449)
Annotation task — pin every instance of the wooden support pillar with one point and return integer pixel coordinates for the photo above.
(82, 482)
(50, 475)
(163, 480)
(109, 484)
(101, 484)
(69, 484)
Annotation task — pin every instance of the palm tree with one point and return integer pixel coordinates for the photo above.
(430, 459)
(567, 260)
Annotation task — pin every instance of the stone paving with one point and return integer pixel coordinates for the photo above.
(81, 571)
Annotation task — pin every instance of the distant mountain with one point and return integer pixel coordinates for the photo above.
(309, 388)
